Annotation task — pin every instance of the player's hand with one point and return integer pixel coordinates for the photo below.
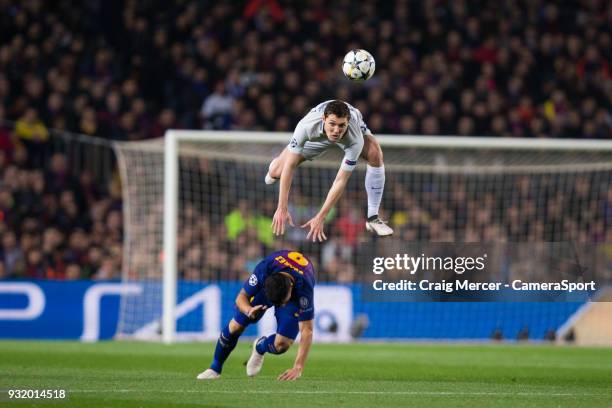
(254, 311)
(291, 374)
(316, 229)
(278, 222)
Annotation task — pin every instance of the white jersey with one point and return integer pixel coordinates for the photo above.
(309, 139)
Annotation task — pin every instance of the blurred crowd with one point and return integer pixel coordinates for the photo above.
(55, 225)
(515, 210)
(129, 70)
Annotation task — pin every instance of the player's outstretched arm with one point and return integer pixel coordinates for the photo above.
(305, 341)
(335, 192)
(282, 215)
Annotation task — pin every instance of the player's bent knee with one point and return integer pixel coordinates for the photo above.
(235, 327)
(276, 167)
(280, 349)
(379, 160)
(372, 152)
(375, 158)
(282, 344)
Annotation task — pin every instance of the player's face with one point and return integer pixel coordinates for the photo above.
(334, 127)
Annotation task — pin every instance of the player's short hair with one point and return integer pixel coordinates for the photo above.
(276, 287)
(338, 108)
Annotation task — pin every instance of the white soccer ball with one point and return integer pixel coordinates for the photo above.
(358, 65)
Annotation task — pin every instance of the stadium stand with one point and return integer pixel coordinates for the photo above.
(130, 71)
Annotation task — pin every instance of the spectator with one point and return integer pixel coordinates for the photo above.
(34, 135)
(217, 109)
(350, 224)
(12, 255)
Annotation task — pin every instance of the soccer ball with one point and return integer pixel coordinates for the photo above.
(358, 65)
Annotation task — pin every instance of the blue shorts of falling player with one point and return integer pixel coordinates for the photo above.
(285, 279)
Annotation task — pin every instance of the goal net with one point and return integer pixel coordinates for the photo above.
(524, 201)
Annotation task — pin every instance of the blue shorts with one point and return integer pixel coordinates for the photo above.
(287, 323)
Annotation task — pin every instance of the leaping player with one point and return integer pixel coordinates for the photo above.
(285, 279)
(331, 123)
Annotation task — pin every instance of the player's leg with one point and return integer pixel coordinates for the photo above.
(375, 184)
(229, 338)
(227, 342)
(276, 167)
(286, 331)
(225, 345)
(275, 344)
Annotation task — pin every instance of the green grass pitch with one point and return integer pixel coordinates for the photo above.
(127, 374)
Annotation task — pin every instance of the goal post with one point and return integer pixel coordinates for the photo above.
(170, 231)
(172, 139)
(193, 180)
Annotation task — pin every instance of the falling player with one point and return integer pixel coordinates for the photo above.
(285, 280)
(331, 123)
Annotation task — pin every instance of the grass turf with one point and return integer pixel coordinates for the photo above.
(126, 374)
